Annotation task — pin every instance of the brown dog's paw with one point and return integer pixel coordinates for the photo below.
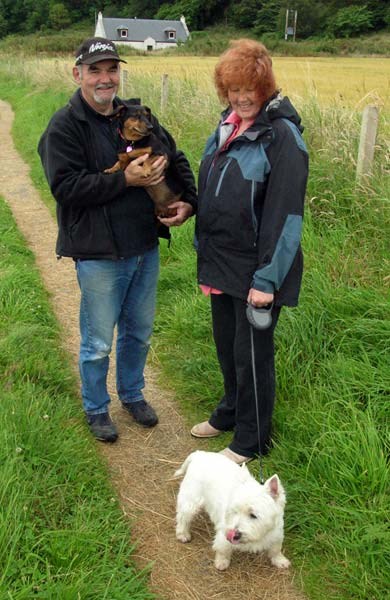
(113, 169)
(166, 213)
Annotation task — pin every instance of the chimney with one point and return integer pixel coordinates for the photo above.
(99, 29)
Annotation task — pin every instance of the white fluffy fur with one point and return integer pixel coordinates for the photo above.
(247, 516)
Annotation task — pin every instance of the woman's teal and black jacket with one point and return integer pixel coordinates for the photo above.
(251, 200)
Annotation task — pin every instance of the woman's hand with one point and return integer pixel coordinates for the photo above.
(134, 173)
(259, 299)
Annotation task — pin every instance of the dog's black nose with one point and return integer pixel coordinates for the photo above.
(237, 536)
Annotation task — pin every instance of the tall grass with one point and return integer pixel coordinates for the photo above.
(331, 425)
(62, 533)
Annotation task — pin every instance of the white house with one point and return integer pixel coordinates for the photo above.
(143, 34)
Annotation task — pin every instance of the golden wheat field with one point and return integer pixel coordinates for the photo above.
(349, 82)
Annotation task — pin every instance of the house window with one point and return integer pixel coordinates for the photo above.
(171, 35)
(123, 33)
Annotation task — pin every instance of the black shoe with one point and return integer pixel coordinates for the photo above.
(141, 412)
(102, 427)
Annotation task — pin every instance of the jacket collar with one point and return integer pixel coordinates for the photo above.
(261, 125)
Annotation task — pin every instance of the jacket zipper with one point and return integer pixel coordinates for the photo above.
(105, 212)
(254, 218)
(221, 177)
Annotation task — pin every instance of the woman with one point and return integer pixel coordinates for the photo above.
(252, 185)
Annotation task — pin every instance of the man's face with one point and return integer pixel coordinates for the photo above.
(99, 83)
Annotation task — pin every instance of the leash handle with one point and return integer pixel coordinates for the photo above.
(259, 317)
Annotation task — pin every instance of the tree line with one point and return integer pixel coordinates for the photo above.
(337, 18)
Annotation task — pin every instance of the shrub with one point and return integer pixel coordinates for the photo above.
(351, 20)
(243, 14)
(387, 17)
(267, 19)
(59, 16)
(3, 27)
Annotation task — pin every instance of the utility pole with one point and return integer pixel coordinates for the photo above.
(291, 23)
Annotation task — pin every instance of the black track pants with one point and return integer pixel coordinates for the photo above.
(237, 410)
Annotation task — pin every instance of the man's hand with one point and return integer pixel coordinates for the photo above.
(258, 299)
(134, 174)
(184, 210)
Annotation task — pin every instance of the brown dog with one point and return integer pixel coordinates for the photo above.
(136, 131)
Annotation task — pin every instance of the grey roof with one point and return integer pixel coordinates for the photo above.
(140, 29)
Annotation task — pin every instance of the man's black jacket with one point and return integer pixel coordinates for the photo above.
(92, 205)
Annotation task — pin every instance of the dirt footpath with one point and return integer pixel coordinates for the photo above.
(142, 461)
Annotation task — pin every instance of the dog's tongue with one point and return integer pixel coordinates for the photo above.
(231, 536)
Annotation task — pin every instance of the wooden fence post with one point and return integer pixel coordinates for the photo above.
(367, 142)
(124, 78)
(164, 92)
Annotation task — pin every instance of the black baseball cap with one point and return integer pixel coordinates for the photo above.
(96, 49)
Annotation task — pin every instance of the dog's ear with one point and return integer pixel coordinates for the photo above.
(273, 486)
(148, 112)
(118, 111)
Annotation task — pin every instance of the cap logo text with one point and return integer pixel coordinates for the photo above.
(100, 47)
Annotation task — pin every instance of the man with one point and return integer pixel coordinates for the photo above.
(107, 225)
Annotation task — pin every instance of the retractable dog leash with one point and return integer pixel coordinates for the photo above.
(259, 318)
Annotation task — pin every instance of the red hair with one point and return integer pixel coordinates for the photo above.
(245, 63)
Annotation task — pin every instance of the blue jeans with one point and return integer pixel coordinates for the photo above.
(118, 293)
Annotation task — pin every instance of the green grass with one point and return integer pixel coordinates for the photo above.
(331, 425)
(62, 532)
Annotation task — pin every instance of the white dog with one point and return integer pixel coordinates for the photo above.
(247, 516)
